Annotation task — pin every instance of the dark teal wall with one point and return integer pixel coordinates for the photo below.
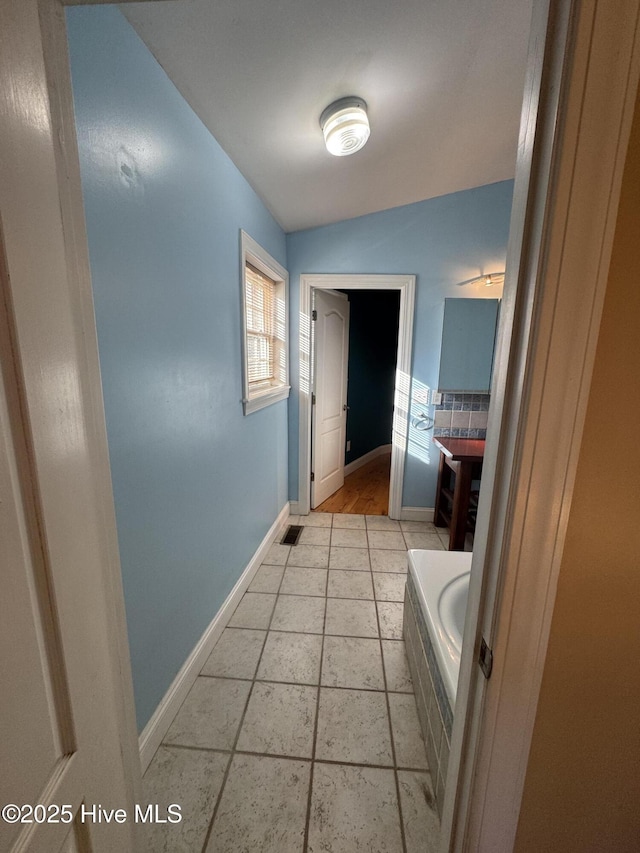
(373, 345)
(196, 484)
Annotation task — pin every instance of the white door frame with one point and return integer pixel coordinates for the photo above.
(55, 354)
(584, 63)
(406, 284)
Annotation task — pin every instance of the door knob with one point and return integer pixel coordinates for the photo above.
(345, 408)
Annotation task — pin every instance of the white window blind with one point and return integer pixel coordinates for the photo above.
(260, 308)
(265, 294)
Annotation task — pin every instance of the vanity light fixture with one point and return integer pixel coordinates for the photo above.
(493, 278)
(488, 279)
(345, 126)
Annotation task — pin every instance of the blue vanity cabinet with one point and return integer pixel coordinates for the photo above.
(468, 339)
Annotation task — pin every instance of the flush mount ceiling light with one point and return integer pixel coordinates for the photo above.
(345, 126)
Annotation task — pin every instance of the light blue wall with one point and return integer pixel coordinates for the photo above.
(442, 241)
(196, 484)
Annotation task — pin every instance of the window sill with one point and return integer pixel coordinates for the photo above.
(266, 398)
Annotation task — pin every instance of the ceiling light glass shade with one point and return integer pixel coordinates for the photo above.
(345, 126)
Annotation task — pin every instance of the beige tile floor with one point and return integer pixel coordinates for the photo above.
(301, 732)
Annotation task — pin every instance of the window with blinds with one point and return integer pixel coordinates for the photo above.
(265, 293)
(259, 307)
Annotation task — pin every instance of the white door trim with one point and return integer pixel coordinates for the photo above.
(55, 359)
(56, 56)
(579, 100)
(406, 284)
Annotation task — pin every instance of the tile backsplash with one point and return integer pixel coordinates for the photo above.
(462, 416)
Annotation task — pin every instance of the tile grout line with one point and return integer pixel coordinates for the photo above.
(393, 746)
(316, 633)
(244, 714)
(341, 597)
(307, 823)
(297, 758)
(310, 684)
(336, 597)
(337, 568)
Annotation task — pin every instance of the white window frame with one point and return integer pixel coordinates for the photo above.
(253, 253)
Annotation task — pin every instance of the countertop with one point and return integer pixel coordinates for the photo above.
(461, 449)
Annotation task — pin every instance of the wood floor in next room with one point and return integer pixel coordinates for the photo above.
(301, 733)
(366, 491)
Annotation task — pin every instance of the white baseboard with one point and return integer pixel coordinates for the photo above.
(294, 507)
(155, 730)
(416, 513)
(372, 454)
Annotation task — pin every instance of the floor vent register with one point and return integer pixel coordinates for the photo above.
(292, 534)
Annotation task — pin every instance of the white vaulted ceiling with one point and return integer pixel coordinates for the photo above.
(443, 80)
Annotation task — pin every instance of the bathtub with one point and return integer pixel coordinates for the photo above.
(441, 580)
(434, 613)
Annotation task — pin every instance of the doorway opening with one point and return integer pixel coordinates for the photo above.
(354, 394)
(365, 490)
(334, 443)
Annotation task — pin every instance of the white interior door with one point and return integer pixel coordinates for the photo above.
(60, 744)
(331, 336)
(63, 743)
